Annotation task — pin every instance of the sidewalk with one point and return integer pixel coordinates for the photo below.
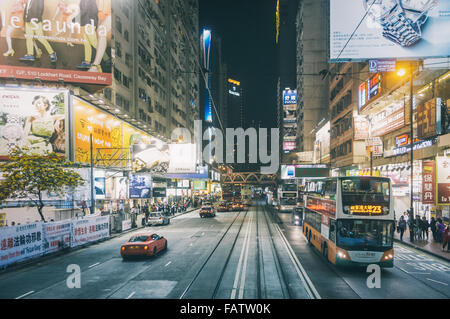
(429, 246)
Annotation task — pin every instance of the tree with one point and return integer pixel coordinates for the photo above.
(31, 176)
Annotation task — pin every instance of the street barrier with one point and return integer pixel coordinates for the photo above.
(22, 242)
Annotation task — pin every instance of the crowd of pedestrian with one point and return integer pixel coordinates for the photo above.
(419, 229)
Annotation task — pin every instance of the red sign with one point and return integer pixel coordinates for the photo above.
(323, 206)
(428, 189)
(55, 75)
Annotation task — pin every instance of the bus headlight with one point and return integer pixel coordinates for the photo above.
(342, 254)
(388, 255)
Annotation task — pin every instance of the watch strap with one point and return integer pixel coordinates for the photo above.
(399, 29)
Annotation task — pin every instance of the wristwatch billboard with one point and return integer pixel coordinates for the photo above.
(401, 20)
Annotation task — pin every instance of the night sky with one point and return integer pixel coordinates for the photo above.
(247, 30)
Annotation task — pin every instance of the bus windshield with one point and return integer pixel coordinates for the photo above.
(289, 187)
(288, 201)
(359, 190)
(354, 234)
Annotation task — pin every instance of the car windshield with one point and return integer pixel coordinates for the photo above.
(356, 234)
(138, 239)
(155, 215)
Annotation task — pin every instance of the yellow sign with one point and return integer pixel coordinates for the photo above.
(2, 219)
(234, 82)
(365, 209)
(106, 131)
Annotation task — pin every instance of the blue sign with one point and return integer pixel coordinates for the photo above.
(140, 186)
(386, 65)
(201, 173)
(289, 97)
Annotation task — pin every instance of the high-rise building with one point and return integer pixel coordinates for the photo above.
(235, 97)
(155, 65)
(312, 25)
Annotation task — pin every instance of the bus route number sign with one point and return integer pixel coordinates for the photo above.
(365, 209)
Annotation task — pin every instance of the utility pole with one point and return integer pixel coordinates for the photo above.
(92, 175)
(411, 213)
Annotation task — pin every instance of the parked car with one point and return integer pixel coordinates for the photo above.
(157, 218)
(143, 245)
(223, 207)
(207, 211)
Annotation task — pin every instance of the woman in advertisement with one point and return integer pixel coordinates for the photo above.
(42, 127)
(104, 17)
(14, 20)
(34, 9)
(68, 13)
(89, 24)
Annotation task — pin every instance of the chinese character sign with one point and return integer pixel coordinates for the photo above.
(20, 242)
(89, 229)
(428, 190)
(443, 180)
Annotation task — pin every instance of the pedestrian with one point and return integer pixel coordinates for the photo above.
(13, 223)
(412, 225)
(446, 239)
(440, 228)
(433, 227)
(402, 226)
(425, 226)
(418, 227)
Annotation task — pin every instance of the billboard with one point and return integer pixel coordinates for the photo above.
(182, 158)
(106, 130)
(389, 29)
(369, 90)
(289, 145)
(428, 118)
(34, 119)
(140, 186)
(290, 97)
(443, 180)
(56, 40)
(388, 120)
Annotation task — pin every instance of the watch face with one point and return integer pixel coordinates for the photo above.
(418, 5)
(379, 8)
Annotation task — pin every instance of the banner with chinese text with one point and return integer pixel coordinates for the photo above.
(428, 189)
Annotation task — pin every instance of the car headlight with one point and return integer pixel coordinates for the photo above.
(123, 248)
(145, 247)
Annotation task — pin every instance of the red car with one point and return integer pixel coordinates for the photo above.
(143, 245)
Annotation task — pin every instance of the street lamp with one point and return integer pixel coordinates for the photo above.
(402, 72)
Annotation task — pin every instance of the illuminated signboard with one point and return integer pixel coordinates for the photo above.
(369, 90)
(324, 206)
(289, 145)
(366, 209)
(234, 82)
(54, 40)
(289, 97)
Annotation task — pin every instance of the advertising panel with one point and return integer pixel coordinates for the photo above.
(289, 145)
(389, 29)
(159, 192)
(121, 188)
(199, 185)
(443, 180)
(182, 158)
(140, 186)
(152, 158)
(33, 118)
(388, 120)
(89, 229)
(290, 97)
(56, 236)
(428, 190)
(200, 173)
(20, 242)
(56, 40)
(287, 171)
(386, 65)
(361, 125)
(426, 118)
(106, 130)
(369, 90)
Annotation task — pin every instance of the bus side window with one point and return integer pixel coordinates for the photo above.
(332, 235)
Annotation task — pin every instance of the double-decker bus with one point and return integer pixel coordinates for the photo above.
(350, 220)
(287, 197)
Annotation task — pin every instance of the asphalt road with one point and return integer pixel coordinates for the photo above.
(415, 274)
(236, 255)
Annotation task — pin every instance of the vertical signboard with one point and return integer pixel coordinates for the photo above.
(428, 190)
(33, 118)
(443, 180)
(289, 119)
(369, 90)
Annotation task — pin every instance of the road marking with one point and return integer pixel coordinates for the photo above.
(24, 295)
(307, 283)
(443, 283)
(244, 271)
(94, 265)
(168, 264)
(417, 273)
(131, 295)
(238, 269)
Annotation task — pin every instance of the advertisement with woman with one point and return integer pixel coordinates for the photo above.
(56, 40)
(34, 119)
